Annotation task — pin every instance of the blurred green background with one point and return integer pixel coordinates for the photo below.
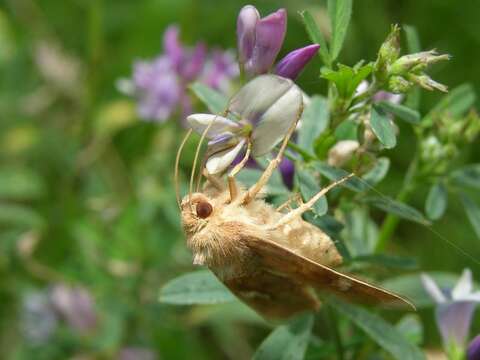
(85, 187)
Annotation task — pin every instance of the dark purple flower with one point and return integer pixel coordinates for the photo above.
(473, 352)
(294, 62)
(287, 169)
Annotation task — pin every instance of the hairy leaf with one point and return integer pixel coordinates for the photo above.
(314, 121)
(316, 36)
(437, 200)
(340, 12)
(401, 111)
(398, 208)
(383, 128)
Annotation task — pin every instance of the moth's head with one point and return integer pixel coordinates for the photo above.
(197, 209)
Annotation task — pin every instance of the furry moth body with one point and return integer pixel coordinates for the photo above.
(272, 265)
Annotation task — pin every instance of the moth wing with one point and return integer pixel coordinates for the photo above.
(279, 259)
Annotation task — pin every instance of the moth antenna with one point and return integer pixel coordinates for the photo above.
(200, 174)
(177, 163)
(197, 153)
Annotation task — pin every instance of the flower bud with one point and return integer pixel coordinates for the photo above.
(294, 62)
(390, 49)
(342, 152)
(427, 82)
(399, 85)
(246, 26)
(416, 62)
(473, 352)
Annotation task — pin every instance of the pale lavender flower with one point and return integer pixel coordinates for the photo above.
(38, 318)
(76, 306)
(473, 352)
(136, 353)
(260, 115)
(160, 85)
(259, 41)
(455, 307)
(380, 95)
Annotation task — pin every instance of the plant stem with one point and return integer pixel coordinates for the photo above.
(391, 221)
(332, 318)
(306, 155)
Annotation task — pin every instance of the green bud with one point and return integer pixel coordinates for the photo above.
(473, 126)
(427, 82)
(399, 85)
(415, 63)
(390, 49)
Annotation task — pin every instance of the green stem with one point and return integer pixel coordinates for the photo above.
(332, 318)
(306, 155)
(391, 221)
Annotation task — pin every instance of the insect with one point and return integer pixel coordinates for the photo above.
(272, 260)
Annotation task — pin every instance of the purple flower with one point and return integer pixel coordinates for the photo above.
(455, 308)
(287, 170)
(160, 85)
(76, 306)
(260, 115)
(38, 318)
(259, 41)
(473, 352)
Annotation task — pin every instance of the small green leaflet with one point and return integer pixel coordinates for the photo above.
(216, 102)
(316, 36)
(437, 200)
(468, 175)
(402, 112)
(287, 342)
(199, 287)
(340, 12)
(473, 212)
(383, 128)
(412, 328)
(347, 130)
(309, 186)
(21, 216)
(413, 41)
(314, 121)
(455, 103)
(384, 334)
(19, 183)
(333, 174)
(398, 208)
(346, 78)
(378, 172)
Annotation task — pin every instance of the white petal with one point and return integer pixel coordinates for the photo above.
(276, 121)
(221, 160)
(432, 288)
(472, 297)
(258, 95)
(464, 286)
(199, 122)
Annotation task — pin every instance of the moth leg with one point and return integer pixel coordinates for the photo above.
(268, 172)
(291, 199)
(232, 184)
(308, 205)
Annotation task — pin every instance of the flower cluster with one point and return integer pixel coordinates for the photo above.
(160, 85)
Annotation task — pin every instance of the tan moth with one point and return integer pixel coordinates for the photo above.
(268, 257)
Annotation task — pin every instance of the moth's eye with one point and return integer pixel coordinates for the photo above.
(204, 209)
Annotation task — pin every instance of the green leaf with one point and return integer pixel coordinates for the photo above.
(413, 40)
(340, 12)
(346, 78)
(383, 128)
(20, 184)
(437, 200)
(378, 172)
(401, 111)
(314, 121)
(468, 175)
(316, 36)
(287, 342)
(216, 102)
(309, 186)
(398, 208)
(455, 103)
(411, 286)
(334, 174)
(388, 261)
(347, 130)
(383, 333)
(473, 212)
(412, 328)
(199, 287)
(19, 216)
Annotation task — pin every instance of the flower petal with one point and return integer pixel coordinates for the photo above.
(269, 35)
(172, 46)
(221, 160)
(199, 122)
(258, 95)
(432, 289)
(473, 352)
(294, 62)
(277, 120)
(246, 24)
(454, 320)
(464, 286)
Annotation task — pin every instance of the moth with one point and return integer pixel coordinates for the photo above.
(270, 258)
